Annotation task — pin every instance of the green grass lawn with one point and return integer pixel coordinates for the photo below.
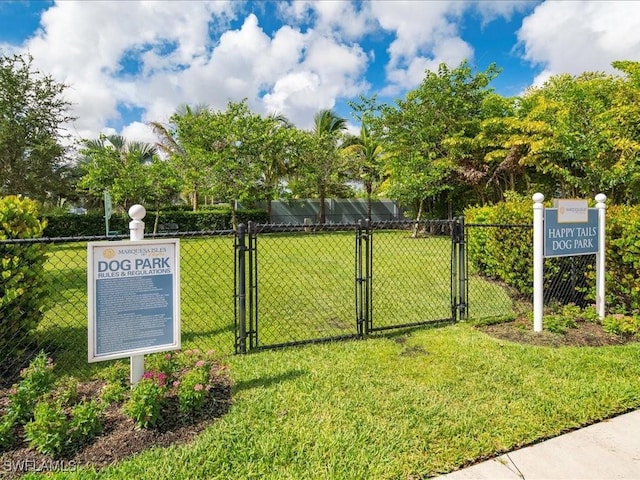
(410, 405)
(306, 285)
(403, 405)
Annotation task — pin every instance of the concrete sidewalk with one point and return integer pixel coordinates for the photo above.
(605, 450)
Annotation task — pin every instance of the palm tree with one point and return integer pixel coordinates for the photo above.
(327, 128)
(367, 154)
(169, 144)
(275, 159)
(111, 162)
(126, 150)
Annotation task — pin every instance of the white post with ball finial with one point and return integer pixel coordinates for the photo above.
(538, 261)
(136, 233)
(601, 207)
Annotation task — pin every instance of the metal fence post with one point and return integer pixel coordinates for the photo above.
(364, 269)
(241, 313)
(463, 308)
(368, 325)
(252, 250)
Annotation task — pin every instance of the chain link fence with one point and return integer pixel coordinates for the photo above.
(566, 279)
(305, 283)
(207, 318)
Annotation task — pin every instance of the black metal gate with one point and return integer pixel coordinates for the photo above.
(296, 284)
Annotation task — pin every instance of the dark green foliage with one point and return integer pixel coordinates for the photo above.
(499, 251)
(623, 258)
(93, 224)
(507, 253)
(32, 107)
(23, 286)
(70, 225)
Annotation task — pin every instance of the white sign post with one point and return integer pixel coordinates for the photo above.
(601, 207)
(538, 261)
(136, 234)
(134, 299)
(570, 229)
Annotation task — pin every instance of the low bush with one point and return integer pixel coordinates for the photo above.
(147, 400)
(185, 378)
(498, 250)
(619, 324)
(36, 380)
(54, 422)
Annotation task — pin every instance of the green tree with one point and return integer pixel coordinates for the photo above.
(578, 135)
(228, 146)
(32, 110)
(190, 170)
(131, 172)
(322, 169)
(489, 163)
(278, 156)
(421, 129)
(365, 155)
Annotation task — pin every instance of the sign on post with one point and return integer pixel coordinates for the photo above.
(134, 301)
(562, 238)
(570, 229)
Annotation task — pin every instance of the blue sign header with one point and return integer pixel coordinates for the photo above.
(567, 239)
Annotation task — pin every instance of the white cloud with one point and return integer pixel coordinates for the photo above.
(89, 45)
(426, 34)
(574, 37)
(141, 132)
(492, 9)
(83, 44)
(331, 17)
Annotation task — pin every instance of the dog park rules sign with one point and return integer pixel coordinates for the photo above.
(134, 301)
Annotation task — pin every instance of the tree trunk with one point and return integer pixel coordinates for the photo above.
(194, 198)
(157, 219)
(234, 217)
(416, 225)
(323, 212)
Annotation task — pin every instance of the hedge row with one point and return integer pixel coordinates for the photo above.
(70, 225)
(506, 254)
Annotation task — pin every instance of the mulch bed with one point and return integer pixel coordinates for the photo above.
(586, 334)
(120, 438)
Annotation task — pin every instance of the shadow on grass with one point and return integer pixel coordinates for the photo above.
(268, 381)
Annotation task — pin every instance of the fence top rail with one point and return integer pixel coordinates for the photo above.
(296, 227)
(500, 225)
(95, 238)
(407, 223)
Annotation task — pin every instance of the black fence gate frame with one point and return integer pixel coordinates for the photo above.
(246, 295)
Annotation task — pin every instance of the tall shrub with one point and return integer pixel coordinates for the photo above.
(23, 289)
(507, 254)
(501, 250)
(623, 258)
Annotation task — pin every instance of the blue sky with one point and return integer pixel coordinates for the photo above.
(131, 62)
